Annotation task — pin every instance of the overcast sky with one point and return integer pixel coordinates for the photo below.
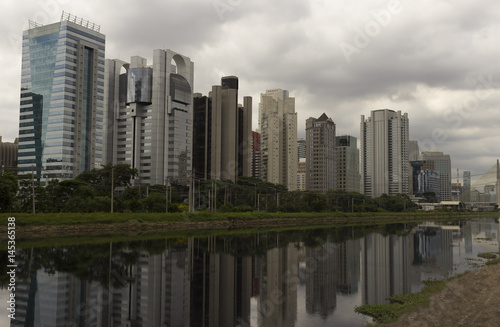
(435, 60)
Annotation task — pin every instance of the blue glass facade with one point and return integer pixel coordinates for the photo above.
(61, 109)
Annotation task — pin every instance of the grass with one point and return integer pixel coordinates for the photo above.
(51, 219)
(488, 255)
(493, 262)
(400, 304)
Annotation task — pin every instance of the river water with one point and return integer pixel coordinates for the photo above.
(303, 277)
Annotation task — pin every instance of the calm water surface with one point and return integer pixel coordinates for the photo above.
(312, 277)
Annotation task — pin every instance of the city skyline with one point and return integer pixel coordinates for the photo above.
(380, 55)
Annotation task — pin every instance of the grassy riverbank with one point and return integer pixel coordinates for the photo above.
(41, 226)
(62, 219)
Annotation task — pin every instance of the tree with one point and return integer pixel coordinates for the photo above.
(8, 190)
(101, 179)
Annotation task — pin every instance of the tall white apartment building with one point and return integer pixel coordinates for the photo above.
(320, 154)
(384, 164)
(278, 138)
(150, 113)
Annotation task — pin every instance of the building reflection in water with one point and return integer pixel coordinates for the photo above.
(252, 281)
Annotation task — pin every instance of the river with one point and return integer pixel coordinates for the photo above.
(301, 277)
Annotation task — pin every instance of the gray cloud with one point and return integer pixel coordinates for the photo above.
(427, 59)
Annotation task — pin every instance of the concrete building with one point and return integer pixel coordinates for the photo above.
(347, 163)
(150, 114)
(442, 164)
(223, 133)
(497, 190)
(465, 196)
(278, 138)
(424, 179)
(413, 150)
(301, 175)
(320, 154)
(256, 154)
(384, 153)
(8, 155)
(62, 88)
(301, 148)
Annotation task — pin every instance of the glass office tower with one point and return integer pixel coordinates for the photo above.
(62, 89)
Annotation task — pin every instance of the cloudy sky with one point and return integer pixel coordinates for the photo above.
(435, 60)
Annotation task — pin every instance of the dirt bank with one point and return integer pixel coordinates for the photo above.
(470, 300)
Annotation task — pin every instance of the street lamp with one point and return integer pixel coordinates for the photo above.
(112, 186)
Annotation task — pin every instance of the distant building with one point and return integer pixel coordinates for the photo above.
(320, 154)
(384, 153)
(424, 180)
(347, 163)
(149, 110)
(413, 150)
(8, 155)
(456, 191)
(223, 133)
(466, 188)
(255, 154)
(442, 164)
(301, 175)
(62, 90)
(278, 138)
(301, 148)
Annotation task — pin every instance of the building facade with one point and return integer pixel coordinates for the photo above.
(278, 139)
(301, 148)
(384, 153)
(256, 155)
(8, 155)
(320, 154)
(301, 175)
(223, 133)
(347, 177)
(442, 164)
(150, 114)
(424, 179)
(62, 88)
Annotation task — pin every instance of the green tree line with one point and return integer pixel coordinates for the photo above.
(93, 191)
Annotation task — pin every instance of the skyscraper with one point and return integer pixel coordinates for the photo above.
(424, 178)
(223, 133)
(384, 153)
(442, 163)
(278, 139)
(62, 90)
(301, 148)
(413, 150)
(150, 114)
(320, 154)
(466, 190)
(347, 163)
(255, 154)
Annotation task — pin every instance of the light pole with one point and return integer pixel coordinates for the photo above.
(112, 186)
(33, 186)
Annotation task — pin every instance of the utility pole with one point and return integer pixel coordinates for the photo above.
(191, 192)
(112, 186)
(33, 186)
(166, 195)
